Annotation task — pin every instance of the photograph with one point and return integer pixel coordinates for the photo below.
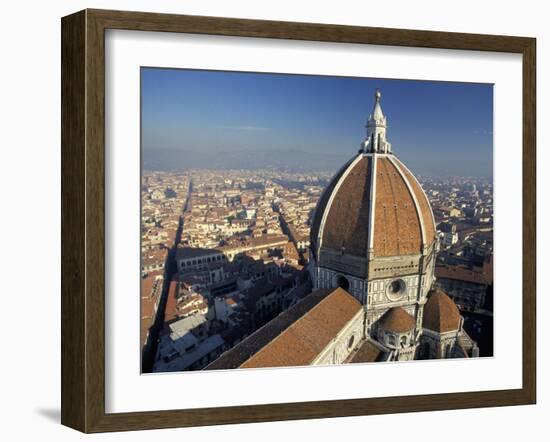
(299, 220)
(269, 222)
(265, 222)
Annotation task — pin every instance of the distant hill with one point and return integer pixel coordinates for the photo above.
(291, 159)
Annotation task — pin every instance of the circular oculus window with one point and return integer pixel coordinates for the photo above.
(395, 289)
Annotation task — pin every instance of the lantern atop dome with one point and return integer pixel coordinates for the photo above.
(376, 142)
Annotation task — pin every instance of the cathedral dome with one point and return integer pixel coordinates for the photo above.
(373, 207)
(374, 203)
(396, 320)
(440, 313)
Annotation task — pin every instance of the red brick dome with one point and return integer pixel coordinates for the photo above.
(397, 320)
(440, 313)
(374, 202)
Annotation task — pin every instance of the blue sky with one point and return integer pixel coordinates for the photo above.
(436, 128)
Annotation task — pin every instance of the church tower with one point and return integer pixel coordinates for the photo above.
(373, 234)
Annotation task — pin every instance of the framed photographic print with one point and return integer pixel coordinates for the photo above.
(270, 220)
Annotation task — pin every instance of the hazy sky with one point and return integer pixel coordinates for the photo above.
(436, 128)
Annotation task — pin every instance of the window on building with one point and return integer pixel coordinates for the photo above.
(396, 286)
(342, 282)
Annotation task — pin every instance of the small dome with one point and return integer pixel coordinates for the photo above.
(397, 320)
(440, 313)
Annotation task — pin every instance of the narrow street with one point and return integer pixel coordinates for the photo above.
(170, 268)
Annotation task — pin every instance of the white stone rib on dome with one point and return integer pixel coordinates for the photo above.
(331, 199)
(397, 163)
(420, 187)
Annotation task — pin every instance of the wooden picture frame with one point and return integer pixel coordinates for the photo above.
(83, 220)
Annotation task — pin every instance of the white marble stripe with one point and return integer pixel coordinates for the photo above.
(331, 199)
(396, 164)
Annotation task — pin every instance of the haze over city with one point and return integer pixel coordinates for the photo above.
(230, 120)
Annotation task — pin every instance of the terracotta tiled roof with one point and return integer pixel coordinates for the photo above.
(347, 222)
(397, 320)
(367, 352)
(260, 338)
(400, 209)
(147, 284)
(306, 338)
(425, 207)
(323, 201)
(460, 273)
(296, 336)
(396, 223)
(440, 313)
(170, 312)
(147, 309)
(194, 252)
